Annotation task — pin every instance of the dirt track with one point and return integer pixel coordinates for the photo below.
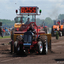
(56, 56)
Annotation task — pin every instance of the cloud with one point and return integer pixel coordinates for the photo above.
(8, 7)
(55, 0)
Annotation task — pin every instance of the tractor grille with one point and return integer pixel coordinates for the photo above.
(27, 40)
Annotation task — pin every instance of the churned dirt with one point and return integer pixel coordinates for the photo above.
(56, 56)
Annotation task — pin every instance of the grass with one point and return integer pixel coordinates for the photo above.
(4, 37)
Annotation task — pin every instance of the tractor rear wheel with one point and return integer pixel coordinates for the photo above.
(46, 29)
(20, 49)
(12, 47)
(60, 34)
(15, 46)
(43, 44)
(40, 47)
(63, 32)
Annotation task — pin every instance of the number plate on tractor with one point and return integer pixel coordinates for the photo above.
(26, 43)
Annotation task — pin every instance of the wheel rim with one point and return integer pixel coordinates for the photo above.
(40, 46)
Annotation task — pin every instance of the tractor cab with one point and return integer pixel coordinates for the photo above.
(18, 21)
(28, 20)
(27, 17)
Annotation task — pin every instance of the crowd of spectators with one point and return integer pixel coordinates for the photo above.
(5, 31)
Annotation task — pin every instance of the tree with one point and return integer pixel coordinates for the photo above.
(61, 16)
(48, 22)
(7, 23)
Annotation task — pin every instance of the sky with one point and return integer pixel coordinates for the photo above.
(50, 8)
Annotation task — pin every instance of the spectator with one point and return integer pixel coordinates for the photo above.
(28, 21)
(6, 31)
(9, 31)
(3, 31)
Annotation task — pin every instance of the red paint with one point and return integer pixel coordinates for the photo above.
(17, 29)
(61, 29)
(40, 46)
(26, 27)
(34, 42)
(45, 26)
(28, 9)
(58, 23)
(37, 52)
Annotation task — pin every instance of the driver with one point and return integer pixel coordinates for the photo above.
(28, 21)
(32, 29)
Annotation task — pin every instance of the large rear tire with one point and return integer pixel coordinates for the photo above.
(45, 46)
(63, 32)
(12, 47)
(46, 29)
(15, 46)
(60, 34)
(43, 43)
(20, 49)
(40, 47)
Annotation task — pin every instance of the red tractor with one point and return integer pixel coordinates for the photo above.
(25, 41)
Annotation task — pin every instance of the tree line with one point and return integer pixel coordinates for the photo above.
(7, 23)
(47, 21)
